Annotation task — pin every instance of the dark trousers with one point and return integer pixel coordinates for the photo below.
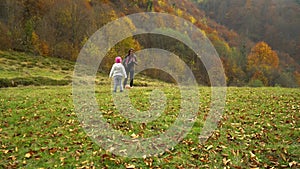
(131, 74)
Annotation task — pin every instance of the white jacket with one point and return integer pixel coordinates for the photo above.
(117, 70)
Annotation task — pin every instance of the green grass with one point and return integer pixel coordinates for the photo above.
(20, 69)
(16, 64)
(40, 129)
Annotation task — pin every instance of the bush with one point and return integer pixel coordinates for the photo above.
(256, 83)
(65, 68)
(35, 81)
(5, 82)
(286, 80)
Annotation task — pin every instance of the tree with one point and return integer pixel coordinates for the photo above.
(220, 45)
(262, 59)
(65, 27)
(5, 40)
(39, 47)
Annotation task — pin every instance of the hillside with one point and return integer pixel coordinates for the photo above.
(59, 28)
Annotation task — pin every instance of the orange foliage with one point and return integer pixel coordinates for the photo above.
(262, 57)
(88, 4)
(44, 49)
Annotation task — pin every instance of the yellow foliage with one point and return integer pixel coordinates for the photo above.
(262, 57)
(129, 24)
(203, 32)
(35, 40)
(113, 15)
(193, 20)
(39, 47)
(45, 49)
(221, 46)
(161, 3)
(179, 12)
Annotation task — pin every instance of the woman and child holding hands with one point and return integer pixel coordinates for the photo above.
(123, 69)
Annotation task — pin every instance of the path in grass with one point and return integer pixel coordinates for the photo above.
(260, 128)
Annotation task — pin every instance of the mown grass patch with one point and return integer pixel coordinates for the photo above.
(22, 69)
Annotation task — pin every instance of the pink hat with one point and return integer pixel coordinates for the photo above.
(118, 59)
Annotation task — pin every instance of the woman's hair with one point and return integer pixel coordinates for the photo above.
(131, 49)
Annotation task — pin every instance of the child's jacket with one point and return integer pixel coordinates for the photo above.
(117, 70)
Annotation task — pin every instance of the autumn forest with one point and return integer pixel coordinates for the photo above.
(258, 41)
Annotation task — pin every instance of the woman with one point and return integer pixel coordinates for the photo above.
(129, 62)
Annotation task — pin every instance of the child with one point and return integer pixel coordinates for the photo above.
(118, 72)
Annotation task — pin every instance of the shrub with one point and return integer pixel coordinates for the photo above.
(256, 83)
(5, 82)
(35, 81)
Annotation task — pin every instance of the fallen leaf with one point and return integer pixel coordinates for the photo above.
(52, 151)
(252, 155)
(62, 159)
(192, 149)
(133, 135)
(12, 158)
(293, 163)
(27, 155)
(225, 155)
(237, 167)
(209, 147)
(222, 146)
(225, 161)
(285, 151)
(149, 162)
(283, 157)
(129, 166)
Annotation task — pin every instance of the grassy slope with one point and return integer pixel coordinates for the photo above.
(39, 128)
(16, 64)
(21, 69)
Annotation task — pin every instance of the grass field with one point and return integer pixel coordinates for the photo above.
(39, 127)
